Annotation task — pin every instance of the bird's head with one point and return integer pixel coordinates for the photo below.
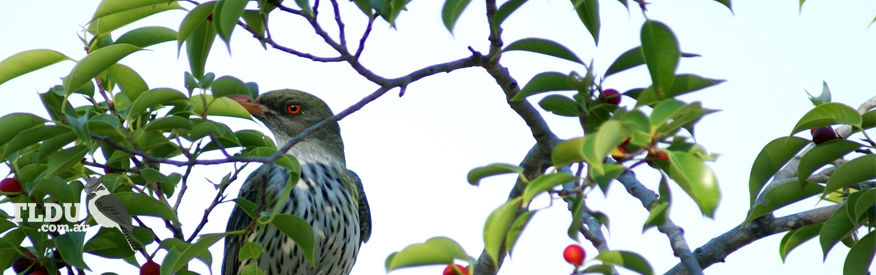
(288, 112)
(93, 187)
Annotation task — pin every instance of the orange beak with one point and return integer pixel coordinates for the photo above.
(254, 108)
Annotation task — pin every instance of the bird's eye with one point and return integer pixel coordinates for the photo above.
(293, 109)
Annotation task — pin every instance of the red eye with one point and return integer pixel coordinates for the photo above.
(293, 109)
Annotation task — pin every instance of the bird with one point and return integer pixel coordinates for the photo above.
(328, 196)
(108, 210)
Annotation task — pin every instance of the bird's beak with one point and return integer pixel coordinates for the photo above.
(253, 108)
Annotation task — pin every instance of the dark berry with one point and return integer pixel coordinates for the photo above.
(610, 96)
(820, 135)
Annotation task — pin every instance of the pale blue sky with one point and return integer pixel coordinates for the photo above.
(413, 152)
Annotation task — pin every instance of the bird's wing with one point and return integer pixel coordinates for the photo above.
(364, 210)
(113, 208)
(239, 220)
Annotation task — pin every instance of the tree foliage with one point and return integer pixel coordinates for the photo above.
(129, 133)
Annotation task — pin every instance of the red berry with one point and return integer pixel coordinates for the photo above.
(820, 135)
(39, 271)
(574, 254)
(150, 268)
(449, 270)
(660, 155)
(10, 185)
(610, 96)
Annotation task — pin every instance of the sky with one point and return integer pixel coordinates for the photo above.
(413, 152)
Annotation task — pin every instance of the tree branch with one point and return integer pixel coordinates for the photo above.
(672, 231)
(719, 247)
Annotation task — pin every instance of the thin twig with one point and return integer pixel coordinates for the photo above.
(341, 35)
(365, 35)
(220, 195)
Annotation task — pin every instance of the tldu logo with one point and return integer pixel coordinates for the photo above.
(54, 213)
(107, 210)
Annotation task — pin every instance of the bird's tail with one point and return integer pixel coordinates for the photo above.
(131, 242)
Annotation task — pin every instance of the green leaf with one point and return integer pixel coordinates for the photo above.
(696, 179)
(860, 257)
(110, 243)
(147, 36)
(194, 19)
(113, 14)
(629, 260)
(225, 18)
(868, 120)
(222, 106)
(199, 38)
(172, 265)
(252, 269)
(138, 204)
(475, 175)
(852, 172)
(15, 123)
(588, 12)
(96, 62)
(169, 123)
(305, 6)
(686, 83)
(175, 248)
(286, 161)
(129, 81)
(824, 97)
(576, 206)
(56, 186)
(826, 114)
(544, 82)
(797, 237)
(71, 246)
(516, 229)
(592, 148)
(250, 250)
(32, 136)
(560, 105)
(255, 21)
(61, 161)
(293, 226)
(659, 210)
(543, 183)
(228, 85)
(864, 204)
(505, 10)
(772, 157)
(823, 154)
(497, 226)
(209, 128)
(451, 11)
(782, 195)
(837, 227)
(28, 61)
(543, 46)
(632, 58)
(661, 54)
(153, 98)
(299, 230)
(436, 250)
(726, 3)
